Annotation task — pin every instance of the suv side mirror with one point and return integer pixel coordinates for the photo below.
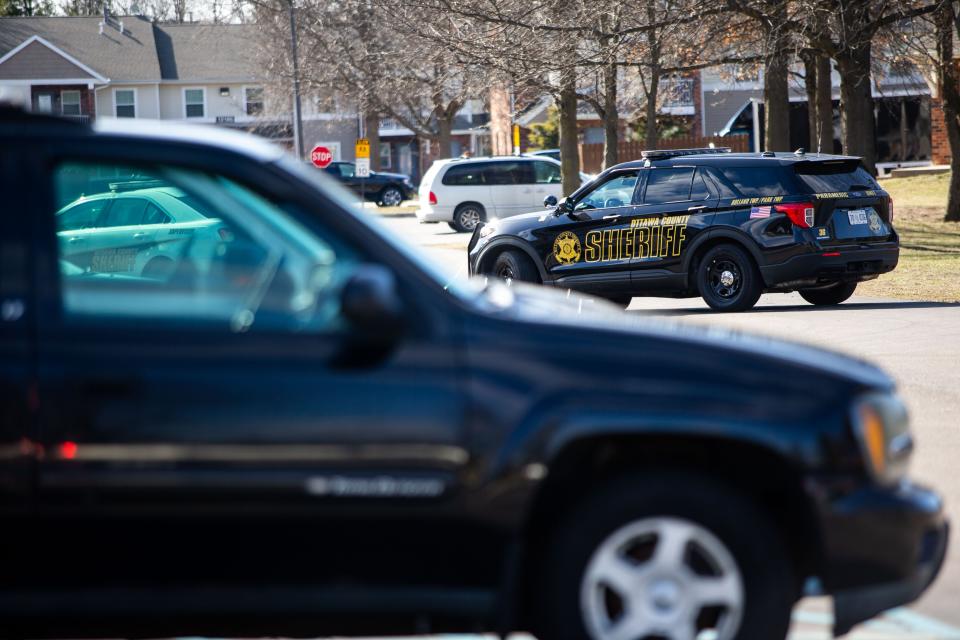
(550, 201)
(370, 303)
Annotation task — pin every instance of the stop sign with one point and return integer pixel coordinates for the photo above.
(321, 157)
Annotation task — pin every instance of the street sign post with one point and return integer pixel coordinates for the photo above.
(321, 157)
(363, 166)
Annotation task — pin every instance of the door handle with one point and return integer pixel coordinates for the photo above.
(612, 217)
(697, 208)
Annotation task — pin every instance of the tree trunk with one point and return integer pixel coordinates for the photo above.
(776, 98)
(611, 120)
(810, 84)
(569, 151)
(371, 125)
(444, 137)
(824, 125)
(950, 100)
(651, 136)
(856, 104)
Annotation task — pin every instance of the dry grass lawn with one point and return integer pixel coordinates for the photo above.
(929, 266)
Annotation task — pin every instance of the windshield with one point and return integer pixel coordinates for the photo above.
(461, 287)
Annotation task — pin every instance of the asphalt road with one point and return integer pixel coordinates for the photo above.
(917, 342)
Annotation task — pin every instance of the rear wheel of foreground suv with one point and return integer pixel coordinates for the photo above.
(834, 294)
(728, 280)
(666, 555)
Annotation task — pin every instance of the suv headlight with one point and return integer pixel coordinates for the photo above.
(487, 230)
(882, 428)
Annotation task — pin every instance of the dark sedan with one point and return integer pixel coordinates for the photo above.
(386, 189)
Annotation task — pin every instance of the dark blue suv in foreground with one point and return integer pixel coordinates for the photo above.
(300, 428)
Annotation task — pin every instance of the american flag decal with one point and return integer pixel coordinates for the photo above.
(760, 212)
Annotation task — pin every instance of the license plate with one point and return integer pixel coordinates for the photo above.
(857, 216)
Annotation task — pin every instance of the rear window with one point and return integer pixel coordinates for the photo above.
(829, 177)
(463, 175)
(761, 181)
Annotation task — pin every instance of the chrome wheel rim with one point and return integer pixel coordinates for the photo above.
(392, 197)
(469, 218)
(662, 577)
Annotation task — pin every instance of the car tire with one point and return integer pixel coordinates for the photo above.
(728, 279)
(467, 217)
(720, 541)
(514, 265)
(391, 196)
(834, 294)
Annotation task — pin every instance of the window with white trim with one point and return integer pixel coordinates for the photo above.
(253, 100)
(125, 103)
(70, 103)
(193, 103)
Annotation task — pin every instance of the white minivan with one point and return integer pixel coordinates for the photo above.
(464, 191)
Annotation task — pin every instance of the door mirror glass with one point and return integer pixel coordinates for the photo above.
(550, 201)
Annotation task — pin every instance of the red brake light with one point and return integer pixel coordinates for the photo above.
(433, 198)
(68, 450)
(800, 213)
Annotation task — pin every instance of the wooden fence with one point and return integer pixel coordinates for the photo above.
(591, 155)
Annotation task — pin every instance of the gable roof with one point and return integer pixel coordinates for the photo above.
(130, 56)
(37, 58)
(207, 52)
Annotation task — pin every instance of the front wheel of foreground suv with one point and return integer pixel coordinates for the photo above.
(728, 280)
(668, 555)
(834, 294)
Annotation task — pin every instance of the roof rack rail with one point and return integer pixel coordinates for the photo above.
(663, 154)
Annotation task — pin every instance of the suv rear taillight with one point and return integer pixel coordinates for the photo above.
(800, 213)
(433, 198)
(890, 210)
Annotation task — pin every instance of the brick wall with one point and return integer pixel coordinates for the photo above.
(939, 143)
(88, 106)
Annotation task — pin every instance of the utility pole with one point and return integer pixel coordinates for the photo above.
(297, 119)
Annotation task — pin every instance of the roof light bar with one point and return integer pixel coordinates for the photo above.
(662, 154)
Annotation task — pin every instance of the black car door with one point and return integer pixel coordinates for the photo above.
(226, 408)
(17, 387)
(678, 204)
(585, 247)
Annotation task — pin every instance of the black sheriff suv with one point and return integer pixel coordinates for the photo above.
(300, 428)
(704, 222)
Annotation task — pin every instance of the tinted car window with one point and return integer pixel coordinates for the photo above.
(668, 185)
(81, 216)
(615, 192)
(700, 190)
(464, 175)
(761, 181)
(126, 212)
(250, 265)
(501, 173)
(346, 170)
(822, 177)
(546, 173)
(154, 215)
